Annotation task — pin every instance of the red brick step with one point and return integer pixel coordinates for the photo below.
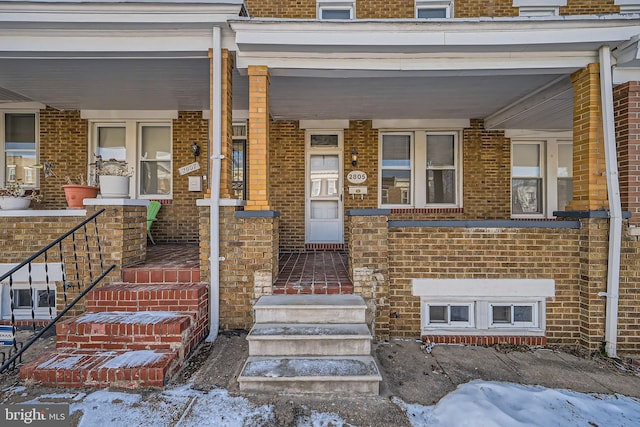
(90, 368)
(144, 330)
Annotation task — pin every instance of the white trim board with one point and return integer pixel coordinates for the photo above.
(37, 272)
(516, 288)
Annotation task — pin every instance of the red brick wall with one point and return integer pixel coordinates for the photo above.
(627, 117)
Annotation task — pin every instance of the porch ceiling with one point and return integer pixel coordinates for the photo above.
(426, 97)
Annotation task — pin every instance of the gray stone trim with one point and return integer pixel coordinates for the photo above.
(257, 214)
(500, 223)
(369, 212)
(588, 214)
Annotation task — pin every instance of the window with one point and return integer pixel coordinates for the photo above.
(239, 161)
(433, 9)
(539, 11)
(396, 169)
(335, 10)
(459, 315)
(147, 145)
(420, 169)
(539, 7)
(541, 177)
(513, 315)
(19, 148)
(42, 300)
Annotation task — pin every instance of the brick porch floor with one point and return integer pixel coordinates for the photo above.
(166, 264)
(313, 273)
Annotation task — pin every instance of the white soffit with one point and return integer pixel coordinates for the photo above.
(324, 124)
(483, 287)
(421, 124)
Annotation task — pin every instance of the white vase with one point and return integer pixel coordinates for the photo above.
(114, 187)
(14, 203)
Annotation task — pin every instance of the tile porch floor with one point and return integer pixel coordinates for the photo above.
(323, 272)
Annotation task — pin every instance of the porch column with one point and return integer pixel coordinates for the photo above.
(226, 175)
(258, 189)
(626, 101)
(589, 179)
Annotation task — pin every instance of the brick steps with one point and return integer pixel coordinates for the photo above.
(132, 335)
(90, 368)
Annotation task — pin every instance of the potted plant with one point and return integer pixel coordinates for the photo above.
(15, 196)
(76, 190)
(113, 177)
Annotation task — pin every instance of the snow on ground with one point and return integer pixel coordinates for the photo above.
(478, 403)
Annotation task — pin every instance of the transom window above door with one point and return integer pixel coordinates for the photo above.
(420, 169)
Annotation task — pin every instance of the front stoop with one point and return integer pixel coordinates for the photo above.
(310, 344)
(132, 335)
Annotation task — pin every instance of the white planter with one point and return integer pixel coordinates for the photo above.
(14, 203)
(114, 187)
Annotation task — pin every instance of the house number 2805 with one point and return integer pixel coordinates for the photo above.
(356, 177)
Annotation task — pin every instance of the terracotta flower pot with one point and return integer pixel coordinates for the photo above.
(75, 194)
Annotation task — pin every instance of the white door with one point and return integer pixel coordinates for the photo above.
(324, 216)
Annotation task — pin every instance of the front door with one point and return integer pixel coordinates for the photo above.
(324, 216)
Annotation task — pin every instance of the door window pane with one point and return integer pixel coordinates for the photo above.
(323, 175)
(324, 209)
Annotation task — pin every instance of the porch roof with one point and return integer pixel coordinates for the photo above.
(512, 72)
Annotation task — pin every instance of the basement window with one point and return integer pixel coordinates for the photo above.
(23, 300)
(434, 9)
(513, 315)
(460, 315)
(335, 10)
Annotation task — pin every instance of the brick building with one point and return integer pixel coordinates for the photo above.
(478, 162)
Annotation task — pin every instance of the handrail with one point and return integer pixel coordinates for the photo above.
(28, 262)
(50, 245)
(13, 358)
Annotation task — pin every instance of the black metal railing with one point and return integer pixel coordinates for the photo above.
(78, 254)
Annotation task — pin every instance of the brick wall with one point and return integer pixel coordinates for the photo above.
(478, 8)
(628, 316)
(250, 250)
(626, 99)
(379, 9)
(177, 222)
(486, 161)
(63, 141)
(282, 8)
(286, 154)
(589, 181)
(589, 7)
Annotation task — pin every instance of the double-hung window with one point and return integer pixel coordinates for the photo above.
(335, 10)
(420, 169)
(541, 176)
(434, 9)
(146, 147)
(19, 149)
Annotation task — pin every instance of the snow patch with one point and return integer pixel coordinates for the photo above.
(61, 361)
(144, 317)
(133, 358)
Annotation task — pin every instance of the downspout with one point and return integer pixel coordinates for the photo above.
(615, 207)
(214, 208)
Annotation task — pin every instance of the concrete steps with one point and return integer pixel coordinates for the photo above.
(310, 344)
(132, 335)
